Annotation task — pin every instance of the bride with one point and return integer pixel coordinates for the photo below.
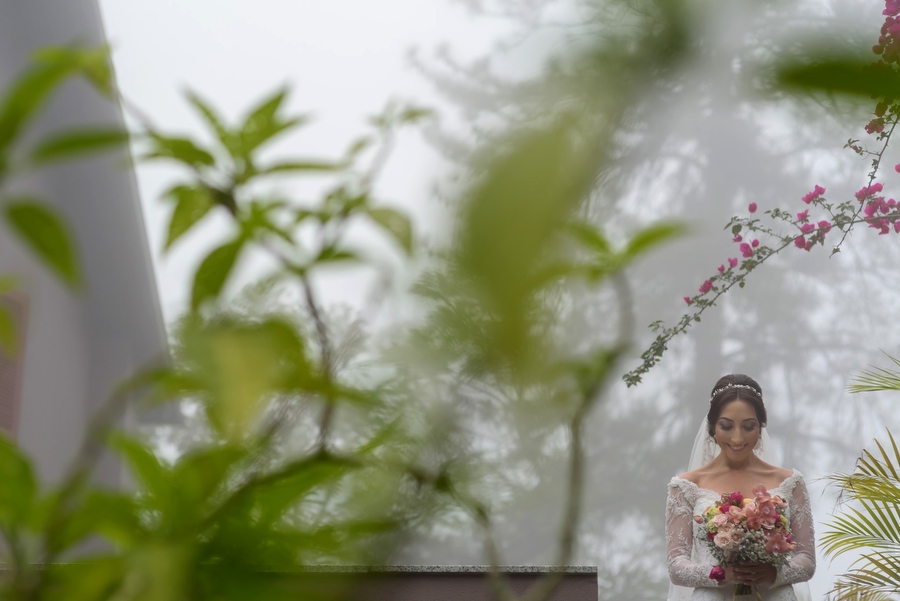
(728, 456)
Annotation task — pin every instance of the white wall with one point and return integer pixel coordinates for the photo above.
(77, 346)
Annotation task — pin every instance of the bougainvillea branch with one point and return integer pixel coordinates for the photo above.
(803, 232)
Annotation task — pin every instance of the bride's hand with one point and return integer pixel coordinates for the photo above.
(754, 574)
(730, 576)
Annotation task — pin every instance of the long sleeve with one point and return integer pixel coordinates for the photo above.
(679, 542)
(801, 566)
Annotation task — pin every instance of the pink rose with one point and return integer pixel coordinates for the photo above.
(736, 498)
(717, 574)
(720, 520)
(725, 508)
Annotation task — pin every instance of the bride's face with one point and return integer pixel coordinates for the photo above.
(737, 429)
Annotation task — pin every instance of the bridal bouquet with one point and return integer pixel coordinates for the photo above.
(739, 530)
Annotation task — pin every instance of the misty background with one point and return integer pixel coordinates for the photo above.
(701, 146)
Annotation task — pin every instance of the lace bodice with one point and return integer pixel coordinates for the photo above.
(690, 562)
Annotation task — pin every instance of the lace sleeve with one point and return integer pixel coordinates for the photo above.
(679, 542)
(802, 564)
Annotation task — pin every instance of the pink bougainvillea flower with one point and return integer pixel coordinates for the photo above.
(755, 243)
(687, 299)
(897, 226)
(897, 167)
(825, 226)
(800, 242)
(706, 286)
(746, 250)
(807, 228)
(891, 7)
(717, 573)
(752, 207)
(721, 268)
(803, 215)
(816, 193)
(733, 262)
(737, 238)
(867, 191)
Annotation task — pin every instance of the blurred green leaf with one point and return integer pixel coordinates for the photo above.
(846, 75)
(148, 470)
(76, 144)
(27, 95)
(213, 273)
(651, 237)
(414, 114)
(93, 63)
(263, 123)
(200, 472)
(212, 119)
(94, 580)
(589, 236)
(47, 235)
(334, 255)
(293, 166)
(8, 283)
(192, 203)
(182, 150)
(241, 365)
(510, 219)
(9, 343)
(112, 515)
(396, 224)
(159, 571)
(19, 486)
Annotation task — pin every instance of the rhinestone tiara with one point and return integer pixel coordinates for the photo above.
(727, 386)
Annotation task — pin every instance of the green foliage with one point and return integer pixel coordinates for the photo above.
(306, 462)
(873, 526)
(845, 75)
(47, 235)
(872, 523)
(76, 144)
(878, 379)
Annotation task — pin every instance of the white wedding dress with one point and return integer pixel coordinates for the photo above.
(690, 562)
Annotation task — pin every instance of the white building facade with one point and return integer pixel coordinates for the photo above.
(75, 347)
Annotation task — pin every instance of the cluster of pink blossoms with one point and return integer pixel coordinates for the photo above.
(888, 45)
(806, 226)
(876, 205)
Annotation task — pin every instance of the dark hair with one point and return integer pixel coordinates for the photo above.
(731, 388)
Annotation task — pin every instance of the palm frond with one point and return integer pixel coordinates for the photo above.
(872, 524)
(847, 591)
(877, 379)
